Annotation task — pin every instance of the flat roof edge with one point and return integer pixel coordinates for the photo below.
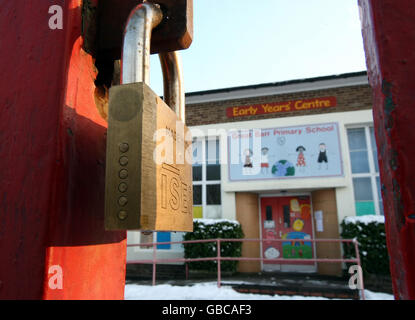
(276, 88)
(281, 83)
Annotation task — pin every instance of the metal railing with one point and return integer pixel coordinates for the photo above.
(219, 258)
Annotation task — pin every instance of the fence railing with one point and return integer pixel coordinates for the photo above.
(154, 261)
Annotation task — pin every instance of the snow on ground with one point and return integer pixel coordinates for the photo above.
(378, 296)
(210, 291)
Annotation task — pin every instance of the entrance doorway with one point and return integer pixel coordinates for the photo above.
(288, 218)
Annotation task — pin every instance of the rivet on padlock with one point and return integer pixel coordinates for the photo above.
(141, 193)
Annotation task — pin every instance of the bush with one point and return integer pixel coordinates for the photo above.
(213, 229)
(370, 233)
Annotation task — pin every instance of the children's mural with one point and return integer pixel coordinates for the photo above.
(283, 153)
(289, 219)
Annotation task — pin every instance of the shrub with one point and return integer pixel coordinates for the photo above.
(370, 233)
(213, 229)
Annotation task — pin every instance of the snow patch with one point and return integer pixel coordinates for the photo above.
(210, 291)
(370, 295)
(364, 219)
(215, 221)
(202, 291)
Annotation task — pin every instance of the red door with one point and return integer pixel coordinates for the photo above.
(287, 218)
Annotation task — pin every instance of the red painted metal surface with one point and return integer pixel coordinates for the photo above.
(219, 258)
(389, 37)
(52, 153)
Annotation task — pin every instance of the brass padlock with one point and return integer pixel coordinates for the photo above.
(148, 167)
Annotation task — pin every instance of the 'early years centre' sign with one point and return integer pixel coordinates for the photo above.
(283, 153)
(277, 107)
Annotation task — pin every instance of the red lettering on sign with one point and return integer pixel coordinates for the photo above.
(277, 107)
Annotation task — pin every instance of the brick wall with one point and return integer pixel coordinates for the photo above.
(348, 99)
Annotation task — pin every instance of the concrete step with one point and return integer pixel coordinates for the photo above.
(292, 284)
(296, 290)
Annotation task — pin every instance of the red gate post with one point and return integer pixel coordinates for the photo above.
(52, 161)
(389, 38)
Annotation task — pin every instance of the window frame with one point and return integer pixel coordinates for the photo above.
(372, 174)
(204, 182)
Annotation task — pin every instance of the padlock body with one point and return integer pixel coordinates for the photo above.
(148, 167)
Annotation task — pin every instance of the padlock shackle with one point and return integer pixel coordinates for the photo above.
(174, 96)
(135, 60)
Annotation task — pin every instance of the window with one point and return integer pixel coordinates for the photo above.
(207, 202)
(365, 171)
(152, 237)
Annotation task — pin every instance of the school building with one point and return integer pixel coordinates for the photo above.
(288, 160)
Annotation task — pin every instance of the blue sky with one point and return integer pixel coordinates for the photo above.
(241, 42)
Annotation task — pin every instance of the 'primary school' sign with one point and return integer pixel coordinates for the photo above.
(283, 153)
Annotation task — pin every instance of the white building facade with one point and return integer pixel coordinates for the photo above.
(288, 161)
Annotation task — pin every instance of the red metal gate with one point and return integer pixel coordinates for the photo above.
(52, 239)
(389, 36)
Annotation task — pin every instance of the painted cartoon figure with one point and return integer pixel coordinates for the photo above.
(322, 156)
(248, 158)
(264, 160)
(248, 163)
(301, 159)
